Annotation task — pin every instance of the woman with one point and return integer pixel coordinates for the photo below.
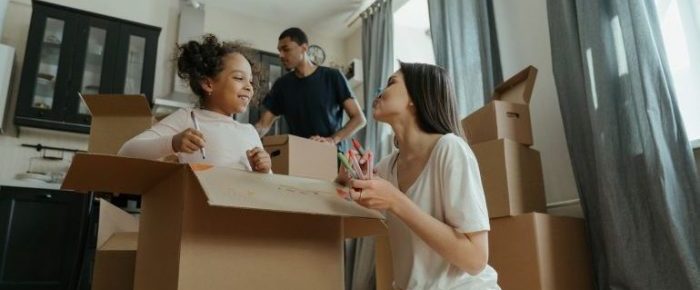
(430, 187)
(221, 74)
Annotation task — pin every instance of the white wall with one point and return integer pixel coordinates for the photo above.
(262, 35)
(161, 13)
(697, 160)
(523, 36)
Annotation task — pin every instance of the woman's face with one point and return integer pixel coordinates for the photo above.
(231, 90)
(394, 102)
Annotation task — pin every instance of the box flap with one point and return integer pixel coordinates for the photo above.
(228, 187)
(125, 241)
(108, 173)
(115, 120)
(118, 105)
(518, 88)
(276, 140)
(113, 220)
(109, 133)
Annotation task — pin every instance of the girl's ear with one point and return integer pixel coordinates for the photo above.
(207, 86)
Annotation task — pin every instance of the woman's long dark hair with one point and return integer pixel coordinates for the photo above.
(432, 92)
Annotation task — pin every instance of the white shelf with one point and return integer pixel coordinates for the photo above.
(695, 144)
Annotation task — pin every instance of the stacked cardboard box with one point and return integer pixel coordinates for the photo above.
(529, 250)
(500, 134)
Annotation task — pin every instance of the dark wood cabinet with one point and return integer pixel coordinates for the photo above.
(43, 236)
(70, 51)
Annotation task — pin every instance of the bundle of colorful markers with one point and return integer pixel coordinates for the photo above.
(351, 161)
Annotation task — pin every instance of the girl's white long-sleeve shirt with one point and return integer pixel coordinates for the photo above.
(226, 139)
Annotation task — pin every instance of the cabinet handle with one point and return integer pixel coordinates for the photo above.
(46, 196)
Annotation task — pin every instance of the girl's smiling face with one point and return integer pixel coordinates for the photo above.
(231, 90)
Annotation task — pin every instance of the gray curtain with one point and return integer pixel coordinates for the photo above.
(634, 169)
(465, 43)
(377, 64)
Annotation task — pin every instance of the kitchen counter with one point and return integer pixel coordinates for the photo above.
(30, 184)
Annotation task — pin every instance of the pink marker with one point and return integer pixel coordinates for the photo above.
(370, 164)
(356, 165)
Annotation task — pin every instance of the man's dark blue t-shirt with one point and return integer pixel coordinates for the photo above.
(312, 105)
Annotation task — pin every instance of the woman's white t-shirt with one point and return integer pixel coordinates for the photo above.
(226, 139)
(449, 188)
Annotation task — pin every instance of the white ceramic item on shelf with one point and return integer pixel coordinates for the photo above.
(33, 177)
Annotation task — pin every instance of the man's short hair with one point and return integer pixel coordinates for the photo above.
(295, 34)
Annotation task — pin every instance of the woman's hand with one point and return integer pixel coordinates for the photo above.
(376, 194)
(259, 160)
(188, 141)
(344, 176)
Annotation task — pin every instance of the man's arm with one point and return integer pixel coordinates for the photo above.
(265, 123)
(356, 122)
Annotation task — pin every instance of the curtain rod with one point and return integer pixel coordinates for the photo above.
(368, 11)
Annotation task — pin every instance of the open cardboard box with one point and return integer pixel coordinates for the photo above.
(115, 255)
(296, 156)
(508, 115)
(540, 252)
(204, 227)
(512, 178)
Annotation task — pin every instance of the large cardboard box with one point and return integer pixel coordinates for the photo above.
(508, 115)
(115, 120)
(115, 256)
(204, 227)
(540, 252)
(296, 156)
(512, 177)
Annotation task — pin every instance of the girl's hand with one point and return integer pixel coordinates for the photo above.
(376, 194)
(259, 160)
(188, 141)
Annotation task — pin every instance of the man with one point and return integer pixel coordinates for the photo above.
(312, 98)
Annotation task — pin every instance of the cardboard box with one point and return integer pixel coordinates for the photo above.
(512, 177)
(115, 256)
(204, 227)
(508, 115)
(296, 156)
(540, 251)
(115, 120)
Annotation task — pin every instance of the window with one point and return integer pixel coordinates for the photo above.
(680, 27)
(412, 41)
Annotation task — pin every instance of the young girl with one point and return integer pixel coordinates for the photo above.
(430, 187)
(221, 75)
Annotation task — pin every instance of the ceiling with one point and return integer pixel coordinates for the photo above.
(329, 17)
